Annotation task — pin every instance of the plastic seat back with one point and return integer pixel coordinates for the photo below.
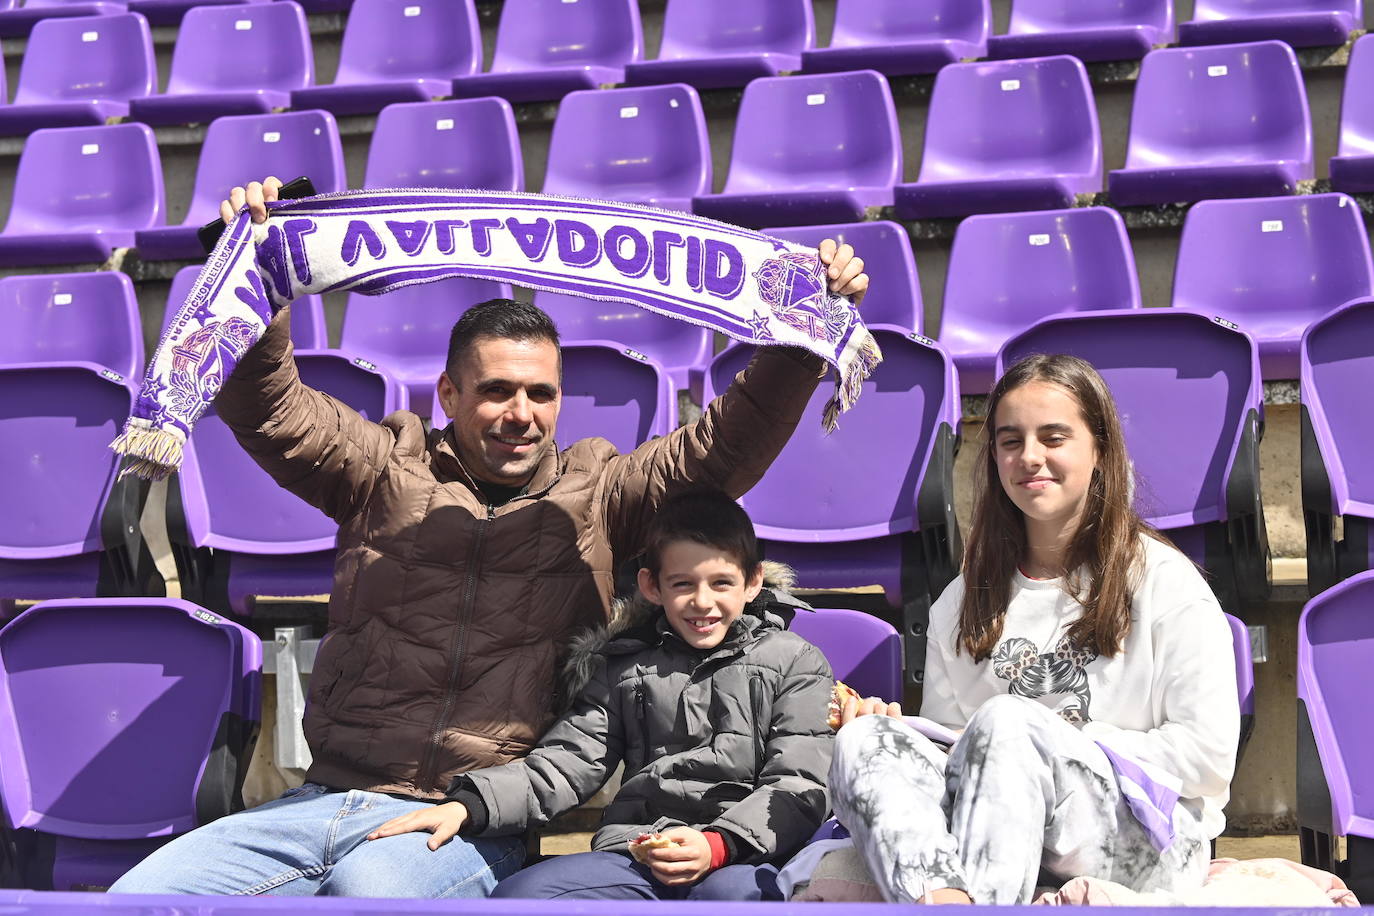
(1031, 16)
(60, 318)
(461, 143)
(864, 651)
(717, 28)
(401, 39)
(84, 178)
(88, 57)
(549, 34)
(206, 57)
(1273, 266)
(859, 23)
(1357, 103)
(1007, 271)
(640, 145)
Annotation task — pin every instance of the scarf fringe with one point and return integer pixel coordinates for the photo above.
(153, 453)
(848, 389)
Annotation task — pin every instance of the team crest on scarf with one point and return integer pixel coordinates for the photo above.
(203, 359)
(793, 285)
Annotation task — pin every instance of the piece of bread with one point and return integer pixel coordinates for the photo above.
(839, 695)
(640, 845)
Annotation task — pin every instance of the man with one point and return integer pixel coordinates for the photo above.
(467, 559)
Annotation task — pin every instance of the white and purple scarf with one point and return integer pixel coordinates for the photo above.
(744, 284)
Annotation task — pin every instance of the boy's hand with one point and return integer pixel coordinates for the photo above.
(685, 862)
(256, 196)
(846, 272)
(444, 821)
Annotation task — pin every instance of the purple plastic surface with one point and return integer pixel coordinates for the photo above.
(1003, 136)
(283, 546)
(1225, 121)
(895, 298)
(1337, 363)
(1007, 271)
(683, 349)
(1183, 385)
(308, 328)
(864, 651)
(900, 37)
(1352, 168)
(810, 149)
(1125, 30)
(81, 192)
(244, 148)
(712, 44)
(609, 393)
(1301, 23)
(1245, 665)
(81, 71)
(211, 77)
(173, 12)
(398, 51)
(465, 143)
(1273, 265)
(17, 21)
(642, 145)
(407, 331)
(548, 48)
(60, 318)
(833, 506)
(1335, 653)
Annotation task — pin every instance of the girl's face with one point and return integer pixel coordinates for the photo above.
(1045, 454)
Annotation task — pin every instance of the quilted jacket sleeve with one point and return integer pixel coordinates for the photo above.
(730, 447)
(313, 445)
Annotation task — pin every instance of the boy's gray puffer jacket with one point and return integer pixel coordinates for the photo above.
(734, 738)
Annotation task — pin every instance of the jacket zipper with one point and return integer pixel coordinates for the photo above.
(760, 726)
(436, 738)
(642, 711)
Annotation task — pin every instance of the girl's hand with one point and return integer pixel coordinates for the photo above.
(444, 821)
(869, 706)
(685, 862)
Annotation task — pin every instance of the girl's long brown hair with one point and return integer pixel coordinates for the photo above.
(1105, 549)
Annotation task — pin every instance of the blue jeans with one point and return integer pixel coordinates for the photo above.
(615, 876)
(313, 841)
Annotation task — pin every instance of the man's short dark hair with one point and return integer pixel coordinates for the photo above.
(504, 319)
(705, 516)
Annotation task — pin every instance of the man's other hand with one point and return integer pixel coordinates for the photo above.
(845, 271)
(256, 196)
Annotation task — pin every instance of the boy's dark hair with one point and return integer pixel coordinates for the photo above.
(703, 516)
(504, 319)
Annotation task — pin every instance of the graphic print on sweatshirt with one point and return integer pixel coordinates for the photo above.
(1060, 673)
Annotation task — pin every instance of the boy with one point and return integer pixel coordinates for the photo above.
(716, 710)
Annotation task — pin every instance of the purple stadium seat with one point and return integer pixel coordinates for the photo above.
(1352, 168)
(1245, 679)
(173, 12)
(609, 392)
(644, 146)
(810, 149)
(211, 76)
(871, 503)
(127, 722)
(407, 330)
(69, 525)
(886, 251)
(308, 328)
(1301, 23)
(682, 349)
(1002, 136)
(1189, 393)
(1226, 121)
(59, 318)
(1273, 266)
(548, 48)
(711, 44)
(864, 651)
(237, 535)
(1007, 271)
(80, 193)
(81, 71)
(901, 37)
(245, 148)
(16, 20)
(466, 143)
(398, 51)
(1337, 357)
(1335, 794)
(1116, 31)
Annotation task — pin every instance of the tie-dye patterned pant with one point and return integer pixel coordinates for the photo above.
(1021, 792)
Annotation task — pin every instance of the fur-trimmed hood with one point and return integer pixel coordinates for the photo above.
(634, 621)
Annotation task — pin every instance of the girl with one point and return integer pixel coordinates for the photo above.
(1087, 662)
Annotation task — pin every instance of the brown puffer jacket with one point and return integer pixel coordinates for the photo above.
(448, 619)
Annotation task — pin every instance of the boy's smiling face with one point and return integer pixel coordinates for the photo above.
(701, 589)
